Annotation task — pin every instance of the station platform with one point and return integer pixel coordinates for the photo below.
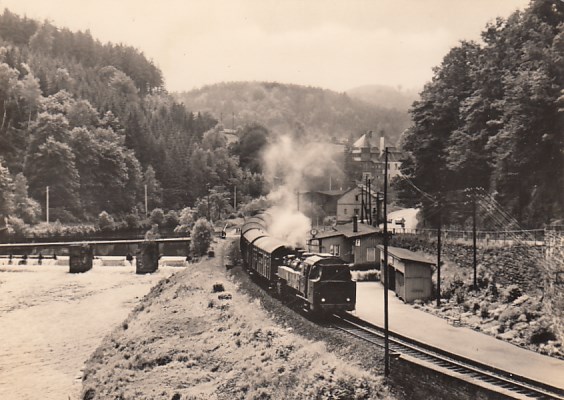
(435, 331)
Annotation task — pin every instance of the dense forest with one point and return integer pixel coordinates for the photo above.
(93, 122)
(493, 118)
(295, 110)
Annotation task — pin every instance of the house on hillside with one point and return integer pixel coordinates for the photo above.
(354, 243)
(367, 159)
(350, 204)
(409, 274)
(326, 200)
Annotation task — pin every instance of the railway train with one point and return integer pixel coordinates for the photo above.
(319, 283)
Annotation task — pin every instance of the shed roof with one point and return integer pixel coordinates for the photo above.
(404, 254)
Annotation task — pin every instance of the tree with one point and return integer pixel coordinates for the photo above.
(6, 193)
(154, 190)
(26, 208)
(53, 165)
(201, 236)
(252, 141)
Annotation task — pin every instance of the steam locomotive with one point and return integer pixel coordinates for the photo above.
(320, 283)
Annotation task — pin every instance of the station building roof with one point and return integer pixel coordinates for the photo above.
(406, 255)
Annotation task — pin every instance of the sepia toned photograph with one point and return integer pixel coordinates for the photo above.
(285, 200)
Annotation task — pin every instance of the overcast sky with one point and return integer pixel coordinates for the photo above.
(332, 44)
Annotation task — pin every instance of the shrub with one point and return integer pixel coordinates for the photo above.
(511, 293)
(369, 275)
(30, 210)
(185, 221)
(509, 315)
(17, 227)
(484, 312)
(542, 334)
(157, 216)
(201, 236)
(132, 220)
(171, 219)
(106, 221)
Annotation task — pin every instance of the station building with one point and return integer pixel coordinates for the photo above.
(354, 243)
(409, 274)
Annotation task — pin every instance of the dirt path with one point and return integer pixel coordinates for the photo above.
(51, 321)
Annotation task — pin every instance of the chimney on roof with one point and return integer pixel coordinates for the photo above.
(381, 142)
(355, 223)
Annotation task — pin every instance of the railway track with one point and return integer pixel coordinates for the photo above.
(521, 387)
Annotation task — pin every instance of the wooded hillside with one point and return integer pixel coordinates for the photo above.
(92, 122)
(295, 109)
(493, 117)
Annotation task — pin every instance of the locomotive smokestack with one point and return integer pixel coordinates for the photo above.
(355, 223)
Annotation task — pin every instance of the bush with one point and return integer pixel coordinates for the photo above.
(484, 312)
(17, 227)
(201, 236)
(460, 296)
(511, 293)
(171, 219)
(510, 314)
(30, 211)
(132, 220)
(106, 221)
(157, 217)
(542, 334)
(185, 221)
(369, 275)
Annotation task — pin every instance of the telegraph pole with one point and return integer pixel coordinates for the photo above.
(208, 187)
(235, 198)
(439, 253)
(369, 203)
(385, 266)
(474, 240)
(47, 203)
(361, 202)
(146, 203)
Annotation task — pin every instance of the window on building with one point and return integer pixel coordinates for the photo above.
(345, 211)
(356, 211)
(356, 197)
(371, 254)
(337, 250)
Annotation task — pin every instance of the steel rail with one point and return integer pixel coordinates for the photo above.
(402, 345)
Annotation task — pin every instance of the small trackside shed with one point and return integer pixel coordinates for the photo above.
(409, 274)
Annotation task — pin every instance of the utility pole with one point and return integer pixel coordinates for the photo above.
(208, 187)
(47, 204)
(474, 240)
(298, 196)
(146, 203)
(235, 198)
(439, 253)
(369, 203)
(233, 120)
(361, 202)
(385, 266)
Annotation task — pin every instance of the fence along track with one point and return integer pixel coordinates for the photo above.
(402, 345)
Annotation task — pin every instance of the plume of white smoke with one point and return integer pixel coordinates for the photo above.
(288, 167)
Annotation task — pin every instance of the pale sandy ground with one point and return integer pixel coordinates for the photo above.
(51, 321)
